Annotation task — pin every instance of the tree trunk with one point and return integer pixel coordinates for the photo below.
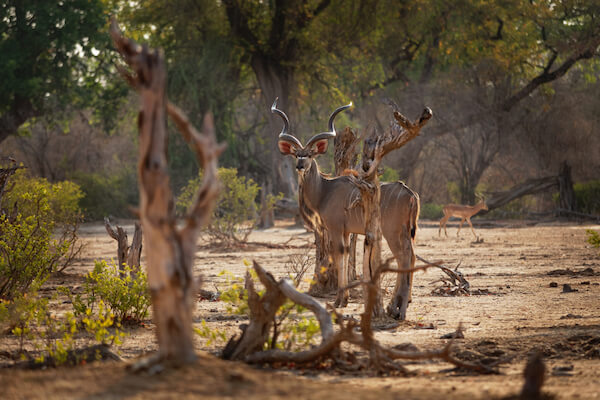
(266, 217)
(325, 277)
(120, 236)
(345, 158)
(370, 193)
(275, 81)
(352, 258)
(565, 186)
(135, 251)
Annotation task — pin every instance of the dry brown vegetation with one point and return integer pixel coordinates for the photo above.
(518, 312)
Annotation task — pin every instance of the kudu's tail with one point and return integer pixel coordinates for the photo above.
(415, 209)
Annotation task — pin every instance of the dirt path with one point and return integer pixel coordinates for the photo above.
(516, 263)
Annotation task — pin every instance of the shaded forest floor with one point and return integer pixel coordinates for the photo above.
(517, 312)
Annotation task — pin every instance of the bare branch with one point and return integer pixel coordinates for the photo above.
(310, 303)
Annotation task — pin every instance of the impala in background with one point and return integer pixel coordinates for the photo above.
(463, 212)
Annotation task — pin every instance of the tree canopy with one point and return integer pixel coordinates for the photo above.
(53, 53)
(484, 67)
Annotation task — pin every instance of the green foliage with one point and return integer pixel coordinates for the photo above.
(593, 238)
(107, 194)
(98, 325)
(126, 297)
(53, 337)
(292, 331)
(29, 249)
(235, 294)
(587, 196)
(52, 203)
(432, 211)
(234, 217)
(212, 335)
(28, 254)
(51, 56)
(20, 314)
(389, 175)
(295, 331)
(453, 191)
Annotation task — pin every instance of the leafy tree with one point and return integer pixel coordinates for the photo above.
(494, 55)
(52, 53)
(252, 52)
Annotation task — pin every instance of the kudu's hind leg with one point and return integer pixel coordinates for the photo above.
(405, 257)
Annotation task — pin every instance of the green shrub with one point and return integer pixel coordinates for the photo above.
(126, 297)
(53, 203)
(28, 254)
(107, 194)
(234, 217)
(432, 211)
(587, 196)
(53, 337)
(593, 238)
(295, 331)
(41, 237)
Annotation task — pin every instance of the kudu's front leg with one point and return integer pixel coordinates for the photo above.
(340, 260)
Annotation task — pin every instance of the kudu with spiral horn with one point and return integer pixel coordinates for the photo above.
(336, 203)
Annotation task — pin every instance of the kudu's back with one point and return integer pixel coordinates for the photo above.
(341, 210)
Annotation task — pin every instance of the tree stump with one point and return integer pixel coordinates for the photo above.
(126, 255)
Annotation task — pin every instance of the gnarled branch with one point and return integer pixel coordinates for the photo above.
(170, 249)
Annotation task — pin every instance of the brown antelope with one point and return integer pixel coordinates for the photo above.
(462, 212)
(336, 203)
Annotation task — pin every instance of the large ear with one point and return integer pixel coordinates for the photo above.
(286, 148)
(320, 146)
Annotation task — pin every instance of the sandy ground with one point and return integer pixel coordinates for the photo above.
(515, 263)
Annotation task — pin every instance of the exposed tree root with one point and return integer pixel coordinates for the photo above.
(249, 347)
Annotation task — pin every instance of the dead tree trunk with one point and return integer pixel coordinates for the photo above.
(345, 158)
(126, 255)
(530, 186)
(563, 181)
(170, 247)
(325, 276)
(262, 315)
(374, 149)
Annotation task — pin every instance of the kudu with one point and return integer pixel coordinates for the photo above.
(335, 202)
(463, 212)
